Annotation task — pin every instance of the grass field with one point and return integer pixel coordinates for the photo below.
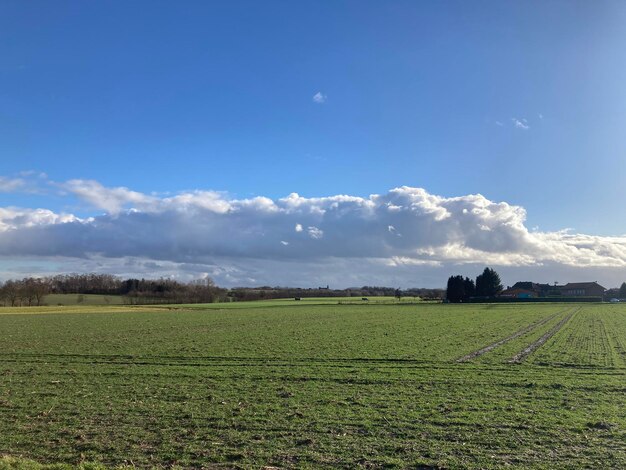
(83, 299)
(291, 302)
(94, 299)
(305, 384)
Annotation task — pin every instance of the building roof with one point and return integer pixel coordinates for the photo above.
(581, 285)
(536, 286)
(524, 285)
(515, 290)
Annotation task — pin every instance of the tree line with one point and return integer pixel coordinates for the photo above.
(460, 289)
(267, 292)
(31, 291)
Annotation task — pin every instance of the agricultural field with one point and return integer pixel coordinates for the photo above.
(315, 385)
(82, 299)
(291, 302)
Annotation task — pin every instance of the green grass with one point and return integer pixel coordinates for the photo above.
(291, 302)
(11, 463)
(311, 384)
(82, 299)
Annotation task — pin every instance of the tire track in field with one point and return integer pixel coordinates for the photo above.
(522, 355)
(517, 334)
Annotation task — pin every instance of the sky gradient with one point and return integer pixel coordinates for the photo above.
(122, 118)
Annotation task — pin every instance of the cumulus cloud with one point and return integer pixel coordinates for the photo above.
(319, 98)
(14, 219)
(244, 237)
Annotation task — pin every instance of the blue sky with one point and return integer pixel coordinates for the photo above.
(522, 102)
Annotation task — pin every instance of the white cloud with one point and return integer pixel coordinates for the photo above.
(27, 182)
(498, 123)
(9, 185)
(319, 98)
(14, 218)
(209, 230)
(112, 200)
(520, 124)
(392, 229)
(315, 233)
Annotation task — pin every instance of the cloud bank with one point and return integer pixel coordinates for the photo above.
(382, 238)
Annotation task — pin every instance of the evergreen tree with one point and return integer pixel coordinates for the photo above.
(455, 291)
(488, 283)
(469, 287)
(622, 291)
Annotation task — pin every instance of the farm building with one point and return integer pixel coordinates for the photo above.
(582, 289)
(527, 289)
(517, 293)
(540, 290)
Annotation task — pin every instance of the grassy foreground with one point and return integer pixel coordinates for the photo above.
(306, 385)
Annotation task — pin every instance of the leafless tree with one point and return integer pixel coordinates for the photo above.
(11, 291)
(40, 288)
(26, 289)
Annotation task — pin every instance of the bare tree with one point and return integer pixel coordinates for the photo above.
(11, 292)
(40, 288)
(27, 290)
